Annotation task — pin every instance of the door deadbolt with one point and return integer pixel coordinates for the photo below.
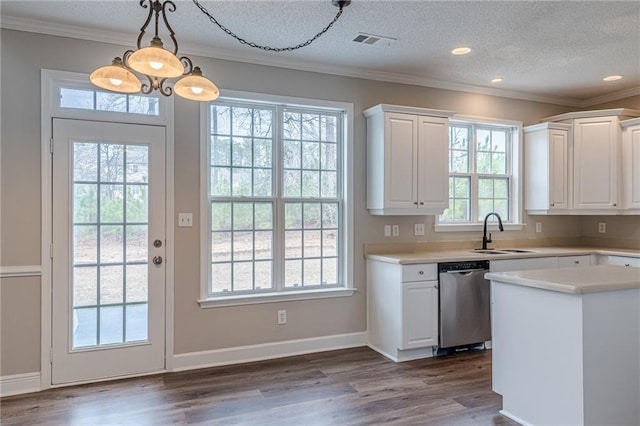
(157, 243)
(157, 260)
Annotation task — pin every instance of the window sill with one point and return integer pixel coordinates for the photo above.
(473, 227)
(285, 296)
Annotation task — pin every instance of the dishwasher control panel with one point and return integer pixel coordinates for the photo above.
(463, 266)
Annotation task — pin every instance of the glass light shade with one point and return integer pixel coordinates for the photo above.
(196, 87)
(116, 78)
(156, 62)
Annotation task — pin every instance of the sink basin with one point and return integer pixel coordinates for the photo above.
(488, 251)
(501, 251)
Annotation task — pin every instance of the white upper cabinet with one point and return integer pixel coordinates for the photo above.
(547, 171)
(407, 160)
(578, 168)
(596, 144)
(631, 165)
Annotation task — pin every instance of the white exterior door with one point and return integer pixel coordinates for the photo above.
(108, 292)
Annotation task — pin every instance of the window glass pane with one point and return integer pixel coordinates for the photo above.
(312, 217)
(292, 183)
(293, 244)
(483, 162)
(459, 138)
(137, 322)
(242, 216)
(85, 327)
(85, 203)
(85, 162)
(111, 284)
(242, 246)
(111, 163)
(262, 182)
(312, 272)
(137, 243)
(500, 188)
(293, 273)
(243, 276)
(221, 246)
(310, 127)
(329, 184)
(292, 154)
(499, 163)
(242, 152)
(137, 203)
(330, 271)
(328, 128)
(111, 244)
(502, 208)
(328, 156)
(459, 161)
(220, 181)
(137, 283)
(293, 215)
(220, 151)
(220, 216)
(85, 286)
(241, 184)
(310, 155)
(111, 102)
(221, 120)
(75, 98)
(146, 105)
(85, 246)
(329, 243)
(263, 216)
(291, 125)
(137, 164)
(263, 275)
(263, 245)
(329, 215)
(312, 244)
(310, 184)
(485, 207)
(221, 277)
(111, 325)
(241, 121)
(486, 188)
(262, 122)
(262, 153)
(112, 203)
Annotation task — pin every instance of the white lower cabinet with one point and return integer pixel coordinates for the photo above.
(402, 311)
(419, 324)
(622, 261)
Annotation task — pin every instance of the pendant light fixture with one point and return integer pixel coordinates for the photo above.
(156, 63)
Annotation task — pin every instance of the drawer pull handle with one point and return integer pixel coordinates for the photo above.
(627, 264)
(577, 262)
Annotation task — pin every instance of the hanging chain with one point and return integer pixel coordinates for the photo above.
(268, 48)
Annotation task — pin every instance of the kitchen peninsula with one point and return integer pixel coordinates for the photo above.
(566, 344)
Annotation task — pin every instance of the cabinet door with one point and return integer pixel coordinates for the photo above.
(433, 163)
(419, 314)
(566, 261)
(558, 169)
(596, 163)
(624, 261)
(400, 135)
(631, 158)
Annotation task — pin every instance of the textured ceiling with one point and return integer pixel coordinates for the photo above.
(558, 51)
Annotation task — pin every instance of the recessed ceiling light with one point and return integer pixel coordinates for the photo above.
(497, 80)
(612, 78)
(461, 50)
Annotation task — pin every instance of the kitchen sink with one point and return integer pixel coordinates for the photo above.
(501, 251)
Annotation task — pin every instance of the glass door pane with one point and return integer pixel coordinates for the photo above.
(110, 244)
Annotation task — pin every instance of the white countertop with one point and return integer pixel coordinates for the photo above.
(589, 279)
(436, 256)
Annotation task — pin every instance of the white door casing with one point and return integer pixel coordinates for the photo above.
(140, 347)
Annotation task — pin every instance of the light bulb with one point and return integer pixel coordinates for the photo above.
(156, 65)
(115, 81)
(196, 90)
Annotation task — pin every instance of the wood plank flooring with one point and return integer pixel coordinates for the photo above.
(346, 387)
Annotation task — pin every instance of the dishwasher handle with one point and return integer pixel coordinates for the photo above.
(465, 271)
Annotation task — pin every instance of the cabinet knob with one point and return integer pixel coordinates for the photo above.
(614, 204)
(422, 272)
(577, 262)
(553, 205)
(626, 264)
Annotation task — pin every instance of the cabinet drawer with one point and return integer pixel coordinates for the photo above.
(624, 261)
(420, 272)
(566, 261)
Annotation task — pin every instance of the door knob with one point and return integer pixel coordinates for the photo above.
(157, 243)
(157, 260)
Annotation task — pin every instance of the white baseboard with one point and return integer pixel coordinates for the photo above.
(17, 384)
(243, 354)
(405, 355)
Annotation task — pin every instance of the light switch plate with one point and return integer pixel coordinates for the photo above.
(395, 230)
(185, 220)
(387, 230)
(418, 229)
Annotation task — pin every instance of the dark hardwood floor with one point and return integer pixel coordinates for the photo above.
(345, 387)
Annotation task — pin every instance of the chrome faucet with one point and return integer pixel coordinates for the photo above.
(486, 240)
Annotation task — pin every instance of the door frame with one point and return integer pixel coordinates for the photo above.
(51, 81)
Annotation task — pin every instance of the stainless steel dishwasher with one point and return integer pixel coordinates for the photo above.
(465, 304)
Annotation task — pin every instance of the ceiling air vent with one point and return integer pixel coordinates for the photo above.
(374, 40)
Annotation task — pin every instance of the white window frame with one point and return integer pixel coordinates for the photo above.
(516, 185)
(347, 244)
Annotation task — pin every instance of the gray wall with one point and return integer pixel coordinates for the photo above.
(196, 329)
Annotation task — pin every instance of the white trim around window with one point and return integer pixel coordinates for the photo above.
(345, 285)
(516, 187)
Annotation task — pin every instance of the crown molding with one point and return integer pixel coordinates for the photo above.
(77, 32)
(622, 94)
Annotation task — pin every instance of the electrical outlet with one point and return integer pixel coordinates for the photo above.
(282, 317)
(185, 220)
(396, 230)
(387, 230)
(538, 227)
(418, 229)
(602, 227)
